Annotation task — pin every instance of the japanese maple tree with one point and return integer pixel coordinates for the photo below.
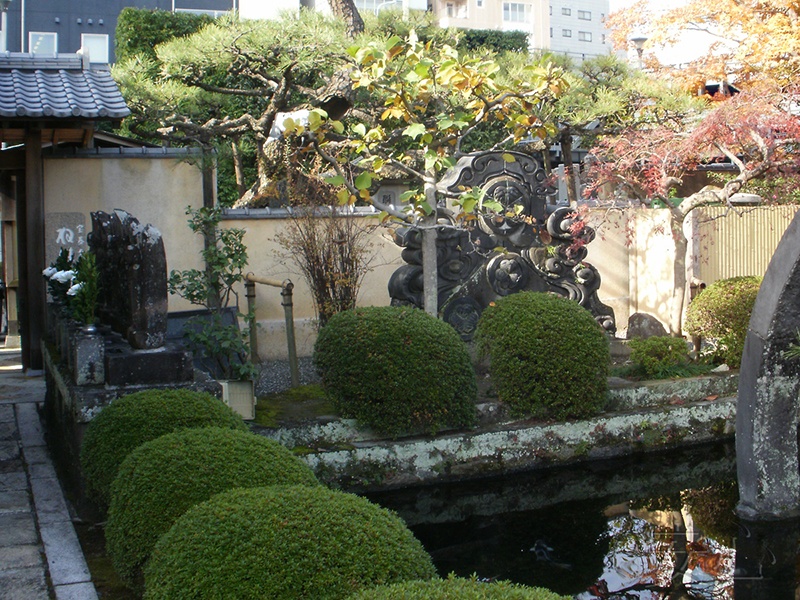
(759, 137)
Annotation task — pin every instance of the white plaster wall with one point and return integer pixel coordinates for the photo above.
(154, 190)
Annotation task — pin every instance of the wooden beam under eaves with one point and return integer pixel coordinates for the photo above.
(88, 137)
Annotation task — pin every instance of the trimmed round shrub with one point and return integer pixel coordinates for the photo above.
(162, 479)
(548, 356)
(396, 370)
(656, 355)
(283, 543)
(137, 418)
(455, 588)
(722, 312)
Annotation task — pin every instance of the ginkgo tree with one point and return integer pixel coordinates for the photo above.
(760, 138)
(432, 100)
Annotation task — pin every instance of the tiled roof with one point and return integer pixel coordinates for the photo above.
(56, 86)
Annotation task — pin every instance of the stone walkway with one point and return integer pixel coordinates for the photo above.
(40, 557)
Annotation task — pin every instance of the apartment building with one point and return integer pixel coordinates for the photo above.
(573, 27)
(51, 26)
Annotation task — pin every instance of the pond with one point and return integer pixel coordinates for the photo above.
(651, 527)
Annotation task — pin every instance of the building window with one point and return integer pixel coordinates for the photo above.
(585, 15)
(480, 3)
(551, 32)
(201, 11)
(369, 5)
(515, 12)
(97, 45)
(566, 33)
(585, 36)
(566, 11)
(551, 11)
(604, 37)
(451, 10)
(41, 42)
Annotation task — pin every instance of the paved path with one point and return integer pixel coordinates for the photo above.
(40, 557)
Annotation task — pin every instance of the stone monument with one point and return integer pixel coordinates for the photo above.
(542, 248)
(132, 265)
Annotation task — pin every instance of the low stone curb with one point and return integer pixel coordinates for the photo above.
(37, 540)
(343, 456)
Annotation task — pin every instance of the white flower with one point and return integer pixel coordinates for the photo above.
(74, 289)
(64, 276)
(49, 272)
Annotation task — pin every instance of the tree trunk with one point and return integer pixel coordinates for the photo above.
(346, 9)
(679, 273)
(241, 188)
(430, 272)
(569, 169)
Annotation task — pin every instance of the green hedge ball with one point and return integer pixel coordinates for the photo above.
(162, 479)
(397, 370)
(456, 588)
(283, 543)
(138, 418)
(549, 357)
(722, 311)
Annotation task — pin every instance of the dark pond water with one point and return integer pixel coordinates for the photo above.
(651, 527)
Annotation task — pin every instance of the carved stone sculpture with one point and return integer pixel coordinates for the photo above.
(132, 265)
(542, 248)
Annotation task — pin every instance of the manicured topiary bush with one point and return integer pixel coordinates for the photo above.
(283, 543)
(163, 478)
(397, 370)
(722, 312)
(549, 358)
(137, 418)
(658, 355)
(456, 588)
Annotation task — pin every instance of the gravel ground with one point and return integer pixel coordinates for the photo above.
(275, 375)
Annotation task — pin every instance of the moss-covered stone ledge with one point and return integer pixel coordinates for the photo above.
(631, 395)
(344, 456)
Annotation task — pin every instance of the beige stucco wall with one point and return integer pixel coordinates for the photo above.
(613, 253)
(633, 250)
(635, 255)
(154, 190)
(267, 258)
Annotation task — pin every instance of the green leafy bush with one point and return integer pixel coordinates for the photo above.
(283, 543)
(139, 31)
(549, 358)
(722, 312)
(396, 369)
(162, 479)
(499, 41)
(455, 588)
(656, 356)
(138, 418)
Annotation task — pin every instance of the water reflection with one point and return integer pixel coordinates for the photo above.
(656, 529)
